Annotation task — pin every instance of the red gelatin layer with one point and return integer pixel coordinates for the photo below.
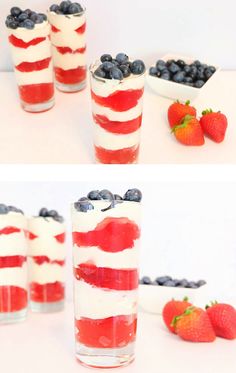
(65, 50)
(61, 237)
(81, 29)
(12, 261)
(73, 76)
(121, 128)
(27, 67)
(9, 230)
(12, 298)
(112, 332)
(121, 156)
(54, 292)
(111, 235)
(54, 29)
(36, 93)
(22, 44)
(119, 100)
(108, 278)
(41, 259)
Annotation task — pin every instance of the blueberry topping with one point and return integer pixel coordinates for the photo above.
(3, 209)
(137, 67)
(40, 18)
(201, 283)
(15, 11)
(116, 73)
(75, 8)
(118, 197)
(15, 209)
(64, 6)
(133, 195)
(54, 8)
(22, 17)
(26, 18)
(45, 213)
(83, 205)
(28, 24)
(153, 71)
(12, 24)
(122, 58)
(161, 65)
(169, 283)
(192, 285)
(183, 283)
(107, 66)
(94, 195)
(52, 213)
(106, 58)
(162, 279)
(100, 73)
(106, 194)
(145, 280)
(125, 70)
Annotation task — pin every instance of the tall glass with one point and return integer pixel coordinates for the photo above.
(69, 50)
(46, 261)
(105, 252)
(117, 112)
(13, 267)
(32, 57)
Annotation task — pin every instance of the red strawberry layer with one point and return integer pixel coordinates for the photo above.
(65, 50)
(60, 237)
(121, 128)
(112, 332)
(12, 298)
(9, 230)
(36, 93)
(111, 235)
(73, 76)
(81, 29)
(12, 261)
(27, 67)
(119, 100)
(108, 278)
(53, 292)
(55, 29)
(22, 44)
(121, 156)
(41, 259)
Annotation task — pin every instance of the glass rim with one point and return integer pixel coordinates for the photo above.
(69, 15)
(100, 201)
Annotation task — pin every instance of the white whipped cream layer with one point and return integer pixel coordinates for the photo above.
(35, 77)
(68, 22)
(45, 273)
(88, 221)
(14, 276)
(126, 259)
(119, 116)
(13, 219)
(112, 141)
(40, 30)
(14, 243)
(95, 303)
(33, 53)
(68, 61)
(45, 243)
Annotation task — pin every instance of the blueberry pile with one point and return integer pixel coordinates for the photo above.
(119, 67)
(170, 282)
(84, 204)
(45, 213)
(195, 74)
(66, 7)
(24, 18)
(4, 209)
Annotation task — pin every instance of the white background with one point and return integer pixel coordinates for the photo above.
(188, 225)
(149, 28)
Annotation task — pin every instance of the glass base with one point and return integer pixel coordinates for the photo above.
(47, 307)
(105, 357)
(38, 108)
(13, 317)
(71, 88)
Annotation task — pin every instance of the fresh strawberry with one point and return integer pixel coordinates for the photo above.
(214, 125)
(194, 325)
(173, 309)
(189, 131)
(223, 319)
(178, 111)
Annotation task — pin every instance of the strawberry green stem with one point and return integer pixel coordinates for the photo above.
(184, 123)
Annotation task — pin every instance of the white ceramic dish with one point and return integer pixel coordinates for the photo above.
(177, 91)
(153, 298)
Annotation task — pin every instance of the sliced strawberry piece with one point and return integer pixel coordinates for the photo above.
(120, 156)
(118, 127)
(65, 50)
(81, 29)
(61, 237)
(54, 29)
(10, 230)
(120, 100)
(27, 67)
(22, 44)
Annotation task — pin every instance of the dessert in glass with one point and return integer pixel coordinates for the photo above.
(68, 26)
(106, 232)
(13, 266)
(29, 37)
(117, 87)
(46, 261)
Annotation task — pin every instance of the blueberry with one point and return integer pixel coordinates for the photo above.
(106, 194)
(213, 69)
(174, 68)
(59, 219)
(181, 63)
(106, 57)
(29, 24)
(162, 279)
(22, 17)
(94, 195)
(166, 75)
(169, 283)
(115, 63)
(15, 11)
(179, 77)
(15, 209)
(118, 197)
(188, 79)
(43, 16)
(75, 8)
(145, 280)
(39, 19)
(183, 283)
(64, 5)
(43, 212)
(122, 58)
(199, 83)
(200, 73)
(3, 209)
(187, 69)
(83, 205)
(52, 213)
(160, 65)
(133, 195)
(192, 285)
(116, 73)
(100, 73)
(125, 70)
(12, 24)
(208, 73)
(201, 283)
(176, 282)
(107, 66)
(28, 12)
(54, 8)
(169, 62)
(137, 67)
(197, 63)
(153, 71)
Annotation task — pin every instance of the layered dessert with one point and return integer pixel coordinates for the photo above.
(106, 232)
(29, 37)
(68, 25)
(117, 87)
(46, 260)
(13, 266)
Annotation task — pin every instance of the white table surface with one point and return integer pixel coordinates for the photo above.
(64, 134)
(45, 343)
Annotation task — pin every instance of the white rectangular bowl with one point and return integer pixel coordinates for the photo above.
(152, 298)
(177, 91)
